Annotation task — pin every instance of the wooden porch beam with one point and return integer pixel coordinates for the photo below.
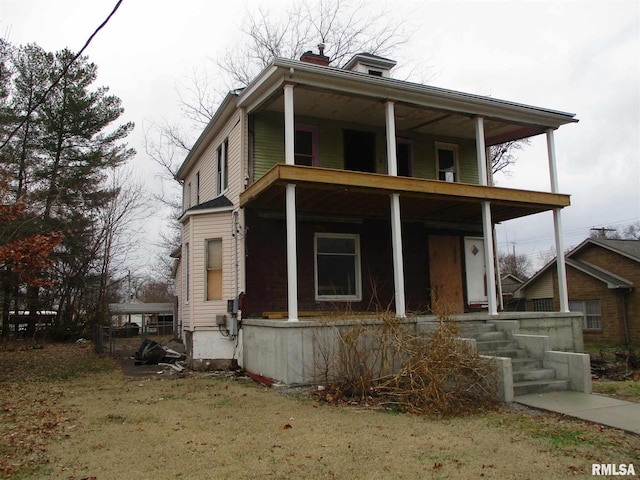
(406, 186)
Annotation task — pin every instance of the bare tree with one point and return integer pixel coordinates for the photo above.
(504, 156)
(344, 27)
(632, 231)
(516, 264)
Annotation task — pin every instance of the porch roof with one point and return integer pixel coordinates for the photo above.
(343, 192)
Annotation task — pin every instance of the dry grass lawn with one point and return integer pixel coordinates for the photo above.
(66, 414)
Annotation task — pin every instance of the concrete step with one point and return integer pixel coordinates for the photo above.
(512, 353)
(533, 374)
(524, 363)
(469, 330)
(496, 345)
(490, 336)
(539, 386)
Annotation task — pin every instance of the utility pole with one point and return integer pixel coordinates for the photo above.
(603, 231)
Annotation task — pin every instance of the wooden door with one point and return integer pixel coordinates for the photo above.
(445, 272)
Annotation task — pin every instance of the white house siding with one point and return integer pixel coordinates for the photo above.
(186, 264)
(205, 342)
(178, 289)
(206, 227)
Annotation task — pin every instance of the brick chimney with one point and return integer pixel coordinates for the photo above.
(316, 59)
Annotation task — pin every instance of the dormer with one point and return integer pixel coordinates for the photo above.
(371, 64)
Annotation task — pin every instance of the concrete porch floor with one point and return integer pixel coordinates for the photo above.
(593, 408)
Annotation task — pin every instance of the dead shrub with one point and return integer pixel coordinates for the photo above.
(385, 362)
(442, 374)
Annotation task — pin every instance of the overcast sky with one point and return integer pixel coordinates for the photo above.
(572, 56)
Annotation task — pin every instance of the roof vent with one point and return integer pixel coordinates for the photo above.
(370, 64)
(316, 58)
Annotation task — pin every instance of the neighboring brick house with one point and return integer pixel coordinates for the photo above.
(601, 279)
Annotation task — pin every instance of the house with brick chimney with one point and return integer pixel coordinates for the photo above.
(319, 191)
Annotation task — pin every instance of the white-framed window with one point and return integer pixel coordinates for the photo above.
(447, 162)
(188, 195)
(591, 313)
(186, 273)
(222, 167)
(337, 267)
(214, 269)
(306, 145)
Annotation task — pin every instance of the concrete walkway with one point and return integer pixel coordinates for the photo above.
(593, 408)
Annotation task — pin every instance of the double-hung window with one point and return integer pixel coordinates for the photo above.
(337, 267)
(591, 314)
(214, 269)
(447, 162)
(222, 164)
(306, 145)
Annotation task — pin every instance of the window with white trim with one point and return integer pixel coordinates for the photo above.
(222, 164)
(214, 268)
(306, 145)
(447, 162)
(591, 313)
(337, 267)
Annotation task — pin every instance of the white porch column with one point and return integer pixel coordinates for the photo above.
(289, 126)
(290, 208)
(396, 221)
(557, 227)
(487, 224)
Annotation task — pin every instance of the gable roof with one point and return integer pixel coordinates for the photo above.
(611, 279)
(627, 248)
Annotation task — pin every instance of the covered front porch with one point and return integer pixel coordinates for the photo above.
(409, 251)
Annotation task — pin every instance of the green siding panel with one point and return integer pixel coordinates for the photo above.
(269, 147)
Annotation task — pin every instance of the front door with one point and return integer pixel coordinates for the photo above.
(475, 270)
(445, 273)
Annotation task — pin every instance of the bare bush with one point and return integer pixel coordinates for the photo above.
(442, 374)
(385, 362)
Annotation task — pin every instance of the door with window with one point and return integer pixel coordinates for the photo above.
(475, 270)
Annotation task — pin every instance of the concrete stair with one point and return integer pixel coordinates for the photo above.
(529, 374)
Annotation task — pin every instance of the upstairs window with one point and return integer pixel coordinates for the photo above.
(306, 145)
(337, 265)
(447, 162)
(198, 188)
(222, 167)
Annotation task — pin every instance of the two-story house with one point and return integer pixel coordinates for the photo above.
(319, 189)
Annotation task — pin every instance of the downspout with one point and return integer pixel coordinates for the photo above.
(625, 319)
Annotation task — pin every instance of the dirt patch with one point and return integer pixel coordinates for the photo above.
(98, 423)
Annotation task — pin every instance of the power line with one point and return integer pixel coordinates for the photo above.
(61, 76)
